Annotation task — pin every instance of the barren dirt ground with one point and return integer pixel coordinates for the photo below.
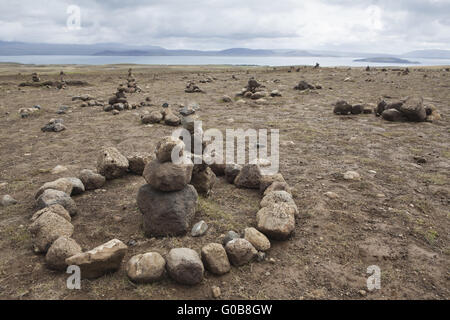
(405, 233)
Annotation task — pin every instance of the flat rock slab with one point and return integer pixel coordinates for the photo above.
(100, 260)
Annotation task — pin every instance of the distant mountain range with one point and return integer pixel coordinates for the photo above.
(114, 49)
(386, 60)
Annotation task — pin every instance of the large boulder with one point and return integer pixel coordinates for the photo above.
(413, 109)
(55, 208)
(77, 186)
(166, 146)
(167, 213)
(278, 197)
(393, 115)
(137, 162)
(153, 117)
(168, 176)
(61, 184)
(231, 171)
(240, 252)
(185, 266)
(343, 108)
(47, 228)
(267, 180)
(276, 221)
(103, 259)
(50, 197)
(59, 251)
(257, 239)
(91, 180)
(249, 177)
(215, 259)
(112, 164)
(203, 180)
(146, 268)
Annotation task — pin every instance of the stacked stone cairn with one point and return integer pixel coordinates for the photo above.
(35, 77)
(252, 90)
(132, 86)
(119, 101)
(168, 201)
(191, 87)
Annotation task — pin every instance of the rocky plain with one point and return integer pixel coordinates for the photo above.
(369, 186)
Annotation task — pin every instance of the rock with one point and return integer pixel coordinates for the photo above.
(199, 229)
(172, 120)
(115, 112)
(203, 181)
(54, 125)
(61, 184)
(166, 147)
(153, 117)
(332, 195)
(215, 259)
(77, 186)
(100, 260)
(184, 266)
(50, 197)
(275, 93)
(261, 256)
(278, 186)
(352, 175)
(278, 197)
(432, 114)
(413, 109)
(112, 164)
(276, 221)
(56, 208)
(249, 177)
(92, 180)
(190, 123)
(393, 115)
(215, 292)
(231, 235)
(59, 251)
(357, 109)
(48, 227)
(58, 169)
(226, 99)
(146, 268)
(257, 239)
(218, 167)
(240, 252)
(7, 201)
(168, 176)
(267, 180)
(167, 214)
(232, 171)
(138, 161)
(258, 95)
(343, 108)
(303, 85)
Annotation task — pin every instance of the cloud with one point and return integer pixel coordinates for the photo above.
(377, 25)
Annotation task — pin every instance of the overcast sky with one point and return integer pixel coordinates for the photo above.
(391, 26)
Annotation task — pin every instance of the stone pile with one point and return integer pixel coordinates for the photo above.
(54, 125)
(26, 112)
(410, 109)
(303, 86)
(166, 116)
(119, 101)
(168, 202)
(252, 90)
(191, 87)
(132, 86)
(35, 77)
